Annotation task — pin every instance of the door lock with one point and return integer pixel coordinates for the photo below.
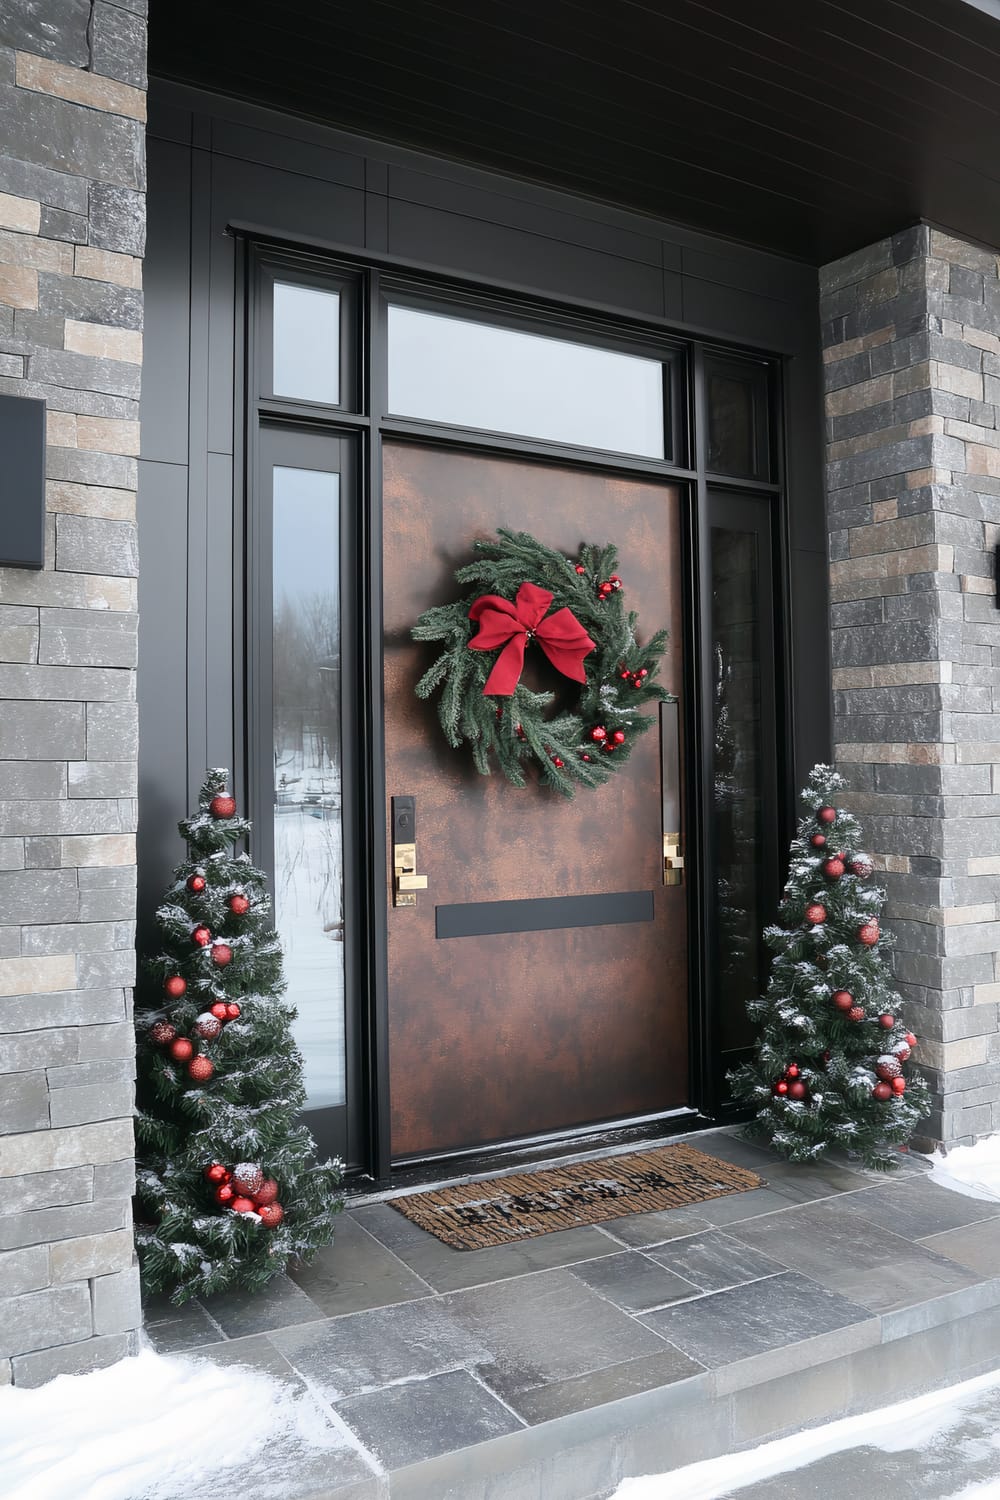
(673, 862)
(406, 881)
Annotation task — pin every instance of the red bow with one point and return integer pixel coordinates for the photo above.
(501, 623)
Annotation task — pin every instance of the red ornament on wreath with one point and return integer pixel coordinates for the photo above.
(238, 904)
(887, 1068)
(887, 1020)
(781, 1087)
(222, 806)
(175, 986)
(868, 934)
(797, 1090)
(815, 914)
(271, 1215)
(248, 1178)
(899, 1085)
(222, 955)
(911, 1040)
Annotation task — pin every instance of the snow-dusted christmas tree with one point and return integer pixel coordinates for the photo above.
(831, 1065)
(227, 1189)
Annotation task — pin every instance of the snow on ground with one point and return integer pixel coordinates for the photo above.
(946, 1429)
(157, 1427)
(972, 1170)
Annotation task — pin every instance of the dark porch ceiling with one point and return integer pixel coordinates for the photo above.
(811, 127)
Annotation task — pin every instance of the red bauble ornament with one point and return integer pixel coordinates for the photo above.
(868, 934)
(887, 1068)
(797, 1090)
(856, 1013)
(584, 756)
(826, 815)
(887, 1021)
(271, 1215)
(902, 1051)
(220, 1010)
(833, 868)
(580, 568)
(843, 999)
(208, 1026)
(196, 883)
(175, 986)
(266, 1193)
(899, 1085)
(222, 954)
(815, 913)
(201, 937)
(818, 841)
(792, 1071)
(181, 1049)
(232, 1011)
(248, 1178)
(862, 868)
(619, 736)
(598, 734)
(222, 806)
(200, 1069)
(781, 1087)
(882, 1092)
(911, 1040)
(224, 1194)
(217, 1172)
(558, 763)
(243, 1206)
(161, 1032)
(238, 904)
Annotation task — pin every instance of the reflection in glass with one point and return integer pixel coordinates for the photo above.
(738, 777)
(468, 374)
(731, 426)
(308, 825)
(306, 341)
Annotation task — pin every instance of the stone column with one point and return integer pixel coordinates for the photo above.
(72, 215)
(911, 334)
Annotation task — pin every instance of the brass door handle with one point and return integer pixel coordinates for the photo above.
(406, 882)
(673, 862)
(670, 792)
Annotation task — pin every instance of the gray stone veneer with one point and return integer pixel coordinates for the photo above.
(72, 211)
(911, 330)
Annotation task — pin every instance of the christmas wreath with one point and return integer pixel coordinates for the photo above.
(574, 612)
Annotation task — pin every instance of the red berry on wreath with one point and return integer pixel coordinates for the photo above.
(161, 1032)
(826, 815)
(271, 1215)
(815, 913)
(243, 1206)
(580, 568)
(585, 756)
(219, 1010)
(797, 1090)
(598, 734)
(856, 1013)
(217, 1172)
(208, 1026)
(627, 677)
(833, 869)
(175, 986)
(619, 736)
(224, 1194)
(232, 1011)
(181, 1049)
(643, 671)
(222, 806)
(201, 937)
(843, 999)
(899, 1085)
(558, 763)
(238, 904)
(882, 1092)
(887, 1021)
(818, 840)
(222, 955)
(266, 1193)
(196, 883)
(781, 1087)
(200, 1069)
(868, 933)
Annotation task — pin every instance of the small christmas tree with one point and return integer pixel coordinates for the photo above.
(830, 1069)
(219, 1087)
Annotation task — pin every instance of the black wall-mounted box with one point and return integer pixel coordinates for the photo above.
(22, 482)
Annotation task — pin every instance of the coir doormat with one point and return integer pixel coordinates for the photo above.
(503, 1210)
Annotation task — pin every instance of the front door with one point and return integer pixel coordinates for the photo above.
(510, 1031)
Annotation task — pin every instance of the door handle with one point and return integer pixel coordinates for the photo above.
(670, 792)
(406, 881)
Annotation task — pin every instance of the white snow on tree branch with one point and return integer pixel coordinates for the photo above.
(972, 1170)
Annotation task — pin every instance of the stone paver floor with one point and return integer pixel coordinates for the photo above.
(418, 1350)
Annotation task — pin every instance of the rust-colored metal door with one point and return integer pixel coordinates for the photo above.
(516, 1033)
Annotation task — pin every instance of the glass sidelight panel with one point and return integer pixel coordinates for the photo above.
(737, 412)
(306, 343)
(307, 761)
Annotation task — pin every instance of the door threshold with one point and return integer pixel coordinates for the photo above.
(427, 1173)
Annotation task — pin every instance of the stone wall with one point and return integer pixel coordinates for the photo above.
(911, 332)
(72, 106)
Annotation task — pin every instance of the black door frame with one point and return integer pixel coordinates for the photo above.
(365, 281)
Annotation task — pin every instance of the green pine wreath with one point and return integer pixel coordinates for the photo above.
(583, 747)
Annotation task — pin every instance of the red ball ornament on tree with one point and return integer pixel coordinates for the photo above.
(217, 1172)
(856, 1013)
(899, 1085)
(619, 736)
(222, 955)
(792, 1071)
(868, 934)
(818, 841)
(224, 1194)
(557, 762)
(580, 568)
(222, 806)
(887, 1021)
(266, 1193)
(181, 1049)
(815, 913)
(162, 1033)
(196, 883)
(238, 904)
(201, 937)
(243, 1206)
(248, 1178)
(826, 815)
(598, 734)
(781, 1087)
(833, 869)
(208, 1026)
(797, 1090)
(232, 1011)
(271, 1215)
(887, 1068)
(911, 1040)
(220, 1010)
(175, 986)
(860, 867)
(200, 1069)
(882, 1092)
(902, 1051)
(843, 999)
